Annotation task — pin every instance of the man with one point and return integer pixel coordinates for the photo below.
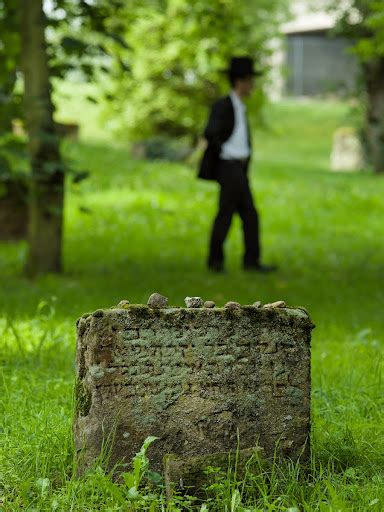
(226, 159)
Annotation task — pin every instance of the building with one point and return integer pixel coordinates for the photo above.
(314, 60)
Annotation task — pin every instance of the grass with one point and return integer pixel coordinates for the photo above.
(138, 227)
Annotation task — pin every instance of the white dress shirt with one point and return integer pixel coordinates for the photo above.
(237, 146)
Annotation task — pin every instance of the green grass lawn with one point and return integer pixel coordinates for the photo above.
(136, 227)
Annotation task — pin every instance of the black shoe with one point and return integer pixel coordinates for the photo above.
(259, 267)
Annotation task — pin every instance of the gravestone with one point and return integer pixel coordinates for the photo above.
(347, 151)
(200, 379)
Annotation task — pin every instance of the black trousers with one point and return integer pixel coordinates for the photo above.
(235, 197)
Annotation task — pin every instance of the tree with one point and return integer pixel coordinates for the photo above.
(363, 21)
(176, 51)
(47, 176)
(23, 46)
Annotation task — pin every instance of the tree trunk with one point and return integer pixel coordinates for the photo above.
(374, 81)
(47, 176)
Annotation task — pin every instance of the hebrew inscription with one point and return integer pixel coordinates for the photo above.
(198, 379)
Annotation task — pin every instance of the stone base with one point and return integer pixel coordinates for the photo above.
(189, 476)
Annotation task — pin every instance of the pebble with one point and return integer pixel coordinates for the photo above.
(193, 302)
(303, 310)
(277, 304)
(157, 301)
(98, 313)
(123, 304)
(257, 304)
(232, 305)
(209, 304)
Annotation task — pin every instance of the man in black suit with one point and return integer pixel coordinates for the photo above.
(226, 159)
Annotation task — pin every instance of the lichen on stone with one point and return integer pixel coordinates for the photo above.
(83, 399)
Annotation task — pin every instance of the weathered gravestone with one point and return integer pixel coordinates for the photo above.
(347, 151)
(197, 378)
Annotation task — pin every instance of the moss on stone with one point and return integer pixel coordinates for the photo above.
(83, 399)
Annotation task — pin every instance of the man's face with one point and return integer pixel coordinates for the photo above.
(245, 86)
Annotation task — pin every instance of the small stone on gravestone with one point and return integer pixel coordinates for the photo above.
(123, 304)
(209, 304)
(156, 300)
(277, 304)
(232, 305)
(193, 302)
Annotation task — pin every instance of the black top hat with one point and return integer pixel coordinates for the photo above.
(242, 66)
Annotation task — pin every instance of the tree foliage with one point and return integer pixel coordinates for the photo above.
(160, 59)
(10, 100)
(371, 42)
(363, 22)
(82, 36)
(177, 51)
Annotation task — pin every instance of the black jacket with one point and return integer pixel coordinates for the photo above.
(219, 128)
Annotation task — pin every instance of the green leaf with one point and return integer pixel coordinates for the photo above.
(5, 167)
(118, 39)
(148, 441)
(73, 46)
(133, 494)
(129, 480)
(139, 466)
(155, 478)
